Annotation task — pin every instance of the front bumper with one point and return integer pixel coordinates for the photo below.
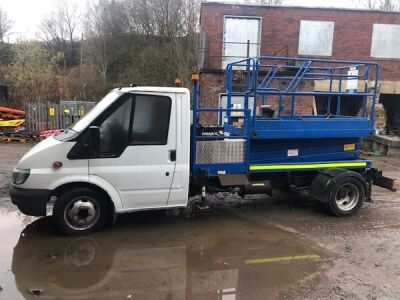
(31, 202)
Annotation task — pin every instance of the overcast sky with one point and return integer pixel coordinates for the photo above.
(27, 14)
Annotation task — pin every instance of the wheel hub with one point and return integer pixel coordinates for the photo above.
(347, 197)
(82, 213)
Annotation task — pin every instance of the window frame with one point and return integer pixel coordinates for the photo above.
(301, 51)
(247, 17)
(131, 142)
(375, 42)
(81, 151)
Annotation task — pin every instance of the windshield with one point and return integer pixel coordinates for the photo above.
(95, 111)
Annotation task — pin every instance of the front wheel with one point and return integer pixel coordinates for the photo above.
(80, 211)
(346, 197)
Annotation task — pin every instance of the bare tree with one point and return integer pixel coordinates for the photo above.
(5, 25)
(187, 47)
(59, 29)
(97, 36)
(62, 23)
(387, 5)
(156, 17)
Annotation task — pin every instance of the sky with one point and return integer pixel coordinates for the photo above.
(27, 14)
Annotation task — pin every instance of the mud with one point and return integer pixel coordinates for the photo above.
(285, 247)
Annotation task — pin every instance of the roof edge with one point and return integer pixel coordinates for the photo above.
(343, 9)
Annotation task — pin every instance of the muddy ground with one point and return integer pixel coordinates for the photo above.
(258, 248)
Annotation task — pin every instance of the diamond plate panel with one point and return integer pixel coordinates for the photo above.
(225, 151)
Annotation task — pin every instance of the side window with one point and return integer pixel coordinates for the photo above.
(150, 124)
(114, 129)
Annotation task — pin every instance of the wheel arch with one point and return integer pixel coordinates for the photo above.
(73, 185)
(323, 182)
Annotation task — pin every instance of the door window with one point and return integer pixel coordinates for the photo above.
(114, 129)
(150, 120)
(138, 120)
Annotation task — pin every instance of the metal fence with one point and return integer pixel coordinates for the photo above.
(49, 116)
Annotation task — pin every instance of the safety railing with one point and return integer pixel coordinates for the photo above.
(243, 117)
(283, 78)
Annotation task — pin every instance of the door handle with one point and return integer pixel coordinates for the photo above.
(172, 155)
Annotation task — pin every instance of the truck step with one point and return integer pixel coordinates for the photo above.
(233, 179)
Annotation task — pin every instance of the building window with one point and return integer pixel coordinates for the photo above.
(237, 32)
(316, 38)
(385, 41)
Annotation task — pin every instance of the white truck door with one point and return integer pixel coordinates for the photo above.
(137, 149)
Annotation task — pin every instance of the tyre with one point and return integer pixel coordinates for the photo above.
(346, 196)
(80, 211)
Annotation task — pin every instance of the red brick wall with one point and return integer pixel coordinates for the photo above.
(211, 85)
(281, 26)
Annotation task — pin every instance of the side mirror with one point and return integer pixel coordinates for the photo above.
(94, 138)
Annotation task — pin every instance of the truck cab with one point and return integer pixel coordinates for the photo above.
(131, 152)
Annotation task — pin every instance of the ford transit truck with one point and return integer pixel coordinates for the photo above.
(145, 148)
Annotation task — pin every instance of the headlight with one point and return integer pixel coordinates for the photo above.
(20, 176)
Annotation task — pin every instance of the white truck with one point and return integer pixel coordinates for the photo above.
(138, 149)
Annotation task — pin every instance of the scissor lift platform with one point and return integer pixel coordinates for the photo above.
(281, 138)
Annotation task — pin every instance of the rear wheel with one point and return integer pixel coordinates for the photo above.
(80, 211)
(346, 196)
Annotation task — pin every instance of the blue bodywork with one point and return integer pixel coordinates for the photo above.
(287, 140)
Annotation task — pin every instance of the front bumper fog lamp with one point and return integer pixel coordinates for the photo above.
(20, 176)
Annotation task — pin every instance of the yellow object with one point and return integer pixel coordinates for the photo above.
(281, 258)
(12, 123)
(81, 111)
(349, 147)
(52, 111)
(307, 166)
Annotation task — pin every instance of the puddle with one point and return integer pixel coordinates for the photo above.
(12, 224)
(152, 256)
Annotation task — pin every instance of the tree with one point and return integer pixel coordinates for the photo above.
(120, 35)
(59, 29)
(186, 50)
(388, 5)
(33, 73)
(5, 25)
(98, 33)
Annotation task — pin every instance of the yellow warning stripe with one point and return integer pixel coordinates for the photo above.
(307, 166)
(281, 258)
(258, 184)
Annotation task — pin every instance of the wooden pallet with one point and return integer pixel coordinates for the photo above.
(18, 137)
(9, 139)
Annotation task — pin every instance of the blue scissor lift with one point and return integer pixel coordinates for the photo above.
(279, 141)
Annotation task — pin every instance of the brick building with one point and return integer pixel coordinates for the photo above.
(230, 32)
